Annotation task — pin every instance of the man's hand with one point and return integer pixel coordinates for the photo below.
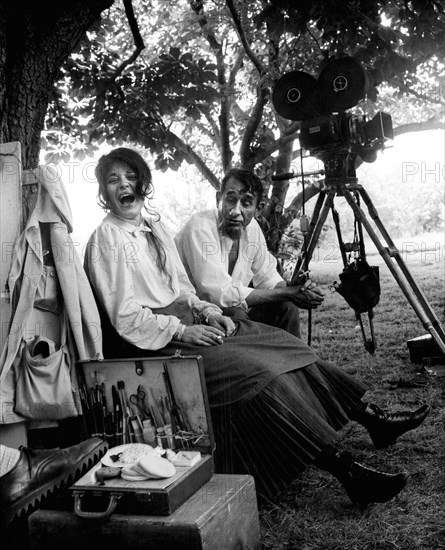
(202, 335)
(307, 296)
(222, 323)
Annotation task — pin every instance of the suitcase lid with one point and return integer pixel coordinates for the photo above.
(178, 380)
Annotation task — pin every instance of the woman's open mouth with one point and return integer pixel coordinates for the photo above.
(127, 199)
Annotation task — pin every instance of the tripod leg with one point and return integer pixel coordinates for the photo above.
(403, 267)
(316, 213)
(399, 270)
(321, 210)
(360, 230)
(341, 244)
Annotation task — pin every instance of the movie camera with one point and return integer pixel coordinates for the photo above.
(327, 131)
(337, 138)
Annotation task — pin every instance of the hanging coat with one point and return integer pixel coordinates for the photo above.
(28, 270)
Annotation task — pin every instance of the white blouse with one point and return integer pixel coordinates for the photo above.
(121, 266)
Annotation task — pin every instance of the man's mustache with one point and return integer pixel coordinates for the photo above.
(225, 229)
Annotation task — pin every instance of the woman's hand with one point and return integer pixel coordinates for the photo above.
(202, 335)
(222, 323)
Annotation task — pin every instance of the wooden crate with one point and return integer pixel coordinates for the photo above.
(221, 515)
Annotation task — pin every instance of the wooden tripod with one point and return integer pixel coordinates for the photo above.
(349, 188)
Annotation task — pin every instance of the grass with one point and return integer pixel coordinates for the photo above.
(315, 513)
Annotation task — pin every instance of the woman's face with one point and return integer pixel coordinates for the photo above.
(120, 193)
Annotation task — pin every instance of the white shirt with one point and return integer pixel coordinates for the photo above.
(205, 255)
(121, 266)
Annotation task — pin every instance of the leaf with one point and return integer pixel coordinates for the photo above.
(193, 112)
(186, 58)
(175, 52)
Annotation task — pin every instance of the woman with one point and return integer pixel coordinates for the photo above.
(276, 407)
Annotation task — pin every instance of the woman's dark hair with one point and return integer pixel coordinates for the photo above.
(143, 190)
(246, 177)
(144, 187)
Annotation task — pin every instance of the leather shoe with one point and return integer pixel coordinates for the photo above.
(384, 427)
(364, 485)
(39, 472)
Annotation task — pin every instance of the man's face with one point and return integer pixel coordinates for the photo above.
(236, 208)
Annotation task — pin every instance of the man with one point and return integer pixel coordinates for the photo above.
(27, 476)
(226, 257)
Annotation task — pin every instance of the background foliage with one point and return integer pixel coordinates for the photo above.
(198, 87)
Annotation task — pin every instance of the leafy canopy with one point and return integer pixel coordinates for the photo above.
(200, 89)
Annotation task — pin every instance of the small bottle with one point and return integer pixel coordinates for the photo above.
(136, 425)
(169, 436)
(149, 433)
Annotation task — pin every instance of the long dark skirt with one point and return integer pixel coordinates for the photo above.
(276, 432)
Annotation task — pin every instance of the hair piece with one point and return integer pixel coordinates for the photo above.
(247, 178)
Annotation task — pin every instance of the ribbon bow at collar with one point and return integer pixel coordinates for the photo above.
(142, 229)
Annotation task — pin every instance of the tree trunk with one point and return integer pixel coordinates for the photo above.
(275, 210)
(35, 40)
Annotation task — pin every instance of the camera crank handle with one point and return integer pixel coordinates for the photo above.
(291, 175)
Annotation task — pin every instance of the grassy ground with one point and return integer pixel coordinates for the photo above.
(315, 513)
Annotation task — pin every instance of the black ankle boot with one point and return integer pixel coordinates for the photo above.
(384, 428)
(363, 485)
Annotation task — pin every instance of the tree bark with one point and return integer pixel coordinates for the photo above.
(275, 209)
(35, 40)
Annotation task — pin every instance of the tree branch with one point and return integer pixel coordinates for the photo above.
(224, 122)
(433, 123)
(206, 131)
(194, 158)
(236, 67)
(424, 97)
(214, 128)
(275, 145)
(262, 91)
(139, 43)
(239, 28)
(253, 123)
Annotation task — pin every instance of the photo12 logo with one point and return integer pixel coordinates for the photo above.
(429, 252)
(427, 172)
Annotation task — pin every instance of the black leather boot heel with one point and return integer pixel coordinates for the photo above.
(384, 428)
(363, 485)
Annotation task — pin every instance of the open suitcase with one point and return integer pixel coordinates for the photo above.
(171, 391)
